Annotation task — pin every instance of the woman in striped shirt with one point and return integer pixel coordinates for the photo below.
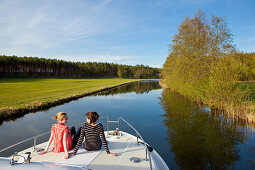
(94, 135)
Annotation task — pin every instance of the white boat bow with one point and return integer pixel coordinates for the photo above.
(128, 148)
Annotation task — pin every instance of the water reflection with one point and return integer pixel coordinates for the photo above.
(134, 102)
(187, 136)
(139, 87)
(199, 139)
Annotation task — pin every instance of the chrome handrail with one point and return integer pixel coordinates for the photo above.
(34, 137)
(137, 135)
(145, 144)
(120, 118)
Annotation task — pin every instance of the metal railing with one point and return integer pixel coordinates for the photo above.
(34, 137)
(137, 135)
(108, 121)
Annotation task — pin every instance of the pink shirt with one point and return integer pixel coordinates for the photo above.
(57, 131)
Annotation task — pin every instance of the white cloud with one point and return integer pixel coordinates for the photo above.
(117, 97)
(44, 25)
(36, 19)
(81, 30)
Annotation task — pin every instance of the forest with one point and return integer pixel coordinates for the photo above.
(204, 65)
(13, 66)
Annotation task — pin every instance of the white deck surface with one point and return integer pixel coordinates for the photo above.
(125, 147)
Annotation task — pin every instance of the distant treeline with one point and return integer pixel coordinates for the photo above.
(204, 65)
(13, 66)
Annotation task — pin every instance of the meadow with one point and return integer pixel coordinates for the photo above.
(251, 85)
(30, 93)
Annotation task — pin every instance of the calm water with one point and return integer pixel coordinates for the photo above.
(187, 136)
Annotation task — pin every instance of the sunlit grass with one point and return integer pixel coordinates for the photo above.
(251, 85)
(24, 92)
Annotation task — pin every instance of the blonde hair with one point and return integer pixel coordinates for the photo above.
(60, 116)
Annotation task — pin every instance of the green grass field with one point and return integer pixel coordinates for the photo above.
(251, 85)
(24, 92)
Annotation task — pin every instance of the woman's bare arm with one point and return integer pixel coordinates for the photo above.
(48, 145)
(65, 146)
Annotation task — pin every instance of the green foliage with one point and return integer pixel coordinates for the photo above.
(248, 63)
(203, 63)
(223, 89)
(251, 86)
(12, 66)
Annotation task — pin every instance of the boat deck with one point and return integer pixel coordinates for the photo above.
(125, 146)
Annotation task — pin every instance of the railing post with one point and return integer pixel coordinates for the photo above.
(34, 143)
(146, 153)
(137, 138)
(118, 128)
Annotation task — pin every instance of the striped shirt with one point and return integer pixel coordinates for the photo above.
(92, 134)
(57, 131)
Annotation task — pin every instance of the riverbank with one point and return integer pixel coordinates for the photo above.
(244, 113)
(19, 96)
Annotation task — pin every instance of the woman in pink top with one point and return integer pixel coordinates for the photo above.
(61, 135)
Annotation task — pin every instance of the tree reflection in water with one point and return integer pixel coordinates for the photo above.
(139, 87)
(199, 139)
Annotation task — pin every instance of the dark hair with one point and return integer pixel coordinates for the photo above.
(93, 116)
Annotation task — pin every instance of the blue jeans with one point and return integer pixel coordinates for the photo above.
(100, 141)
(75, 135)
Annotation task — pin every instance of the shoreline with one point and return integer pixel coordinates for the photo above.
(15, 112)
(248, 118)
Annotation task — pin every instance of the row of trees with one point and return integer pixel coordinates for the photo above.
(13, 66)
(204, 65)
(248, 62)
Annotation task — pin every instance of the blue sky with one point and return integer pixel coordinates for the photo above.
(119, 31)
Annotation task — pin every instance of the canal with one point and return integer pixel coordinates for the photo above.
(186, 135)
